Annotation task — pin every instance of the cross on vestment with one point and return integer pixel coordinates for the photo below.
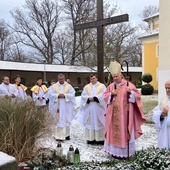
(99, 25)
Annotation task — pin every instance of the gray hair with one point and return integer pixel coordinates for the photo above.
(61, 75)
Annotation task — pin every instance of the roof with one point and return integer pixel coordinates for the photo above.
(152, 16)
(9, 65)
(150, 33)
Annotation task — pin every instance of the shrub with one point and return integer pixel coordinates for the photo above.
(46, 158)
(147, 89)
(21, 124)
(78, 91)
(150, 159)
(147, 78)
(139, 85)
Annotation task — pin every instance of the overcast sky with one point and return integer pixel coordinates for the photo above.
(132, 7)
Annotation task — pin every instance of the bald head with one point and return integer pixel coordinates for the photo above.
(167, 87)
(167, 82)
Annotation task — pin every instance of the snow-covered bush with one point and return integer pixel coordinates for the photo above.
(150, 159)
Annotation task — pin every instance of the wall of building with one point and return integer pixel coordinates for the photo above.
(156, 22)
(150, 59)
(29, 78)
(77, 79)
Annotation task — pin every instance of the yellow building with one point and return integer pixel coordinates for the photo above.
(150, 49)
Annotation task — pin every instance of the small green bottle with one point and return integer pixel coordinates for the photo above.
(76, 156)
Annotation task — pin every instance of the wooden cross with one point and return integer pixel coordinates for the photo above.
(99, 25)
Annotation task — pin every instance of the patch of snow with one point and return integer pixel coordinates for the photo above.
(4, 158)
(95, 152)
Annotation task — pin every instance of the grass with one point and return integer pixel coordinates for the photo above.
(21, 124)
(149, 102)
(149, 105)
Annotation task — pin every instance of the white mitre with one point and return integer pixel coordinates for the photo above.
(114, 67)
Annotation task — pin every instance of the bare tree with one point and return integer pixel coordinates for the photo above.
(35, 25)
(90, 59)
(80, 47)
(16, 53)
(147, 12)
(9, 47)
(84, 50)
(63, 48)
(79, 11)
(4, 39)
(118, 42)
(134, 54)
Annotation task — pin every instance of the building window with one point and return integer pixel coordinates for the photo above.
(151, 25)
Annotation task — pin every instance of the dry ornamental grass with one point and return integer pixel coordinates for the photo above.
(21, 124)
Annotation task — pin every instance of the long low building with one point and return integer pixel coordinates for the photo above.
(79, 75)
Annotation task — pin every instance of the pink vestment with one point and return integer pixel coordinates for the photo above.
(116, 132)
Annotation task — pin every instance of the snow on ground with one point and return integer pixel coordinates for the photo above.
(95, 152)
(4, 158)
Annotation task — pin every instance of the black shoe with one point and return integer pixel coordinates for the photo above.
(57, 140)
(68, 137)
(119, 158)
(91, 142)
(100, 142)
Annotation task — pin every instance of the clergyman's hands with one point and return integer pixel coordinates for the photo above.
(91, 99)
(165, 111)
(96, 99)
(61, 96)
(114, 93)
(128, 89)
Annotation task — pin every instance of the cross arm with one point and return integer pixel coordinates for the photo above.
(103, 22)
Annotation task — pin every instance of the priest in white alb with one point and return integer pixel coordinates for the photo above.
(22, 95)
(39, 93)
(7, 89)
(62, 98)
(161, 118)
(91, 112)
